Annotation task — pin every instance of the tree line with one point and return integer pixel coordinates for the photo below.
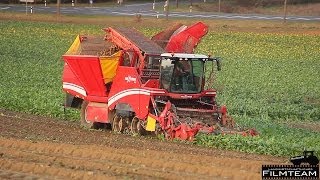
(264, 3)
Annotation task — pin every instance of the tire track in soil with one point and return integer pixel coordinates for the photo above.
(49, 148)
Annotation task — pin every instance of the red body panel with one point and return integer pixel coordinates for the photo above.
(97, 98)
(152, 83)
(187, 40)
(126, 89)
(97, 112)
(87, 69)
(162, 38)
(118, 39)
(71, 83)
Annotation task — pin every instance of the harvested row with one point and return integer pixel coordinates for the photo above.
(91, 161)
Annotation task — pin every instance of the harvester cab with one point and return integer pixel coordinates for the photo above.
(184, 73)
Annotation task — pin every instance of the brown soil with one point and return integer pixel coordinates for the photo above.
(36, 147)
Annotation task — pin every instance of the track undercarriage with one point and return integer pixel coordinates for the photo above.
(173, 122)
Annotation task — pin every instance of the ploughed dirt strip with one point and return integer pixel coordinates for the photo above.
(35, 147)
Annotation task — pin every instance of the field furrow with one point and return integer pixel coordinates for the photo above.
(112, 162)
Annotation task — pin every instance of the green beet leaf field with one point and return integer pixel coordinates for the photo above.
(270, 82)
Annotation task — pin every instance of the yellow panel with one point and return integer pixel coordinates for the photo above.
(75, 47)
(151, 124)
(109, 66)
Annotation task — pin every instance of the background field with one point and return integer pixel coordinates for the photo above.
(269, 81)
(271, 7)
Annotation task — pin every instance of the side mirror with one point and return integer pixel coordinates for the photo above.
(218, 61)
